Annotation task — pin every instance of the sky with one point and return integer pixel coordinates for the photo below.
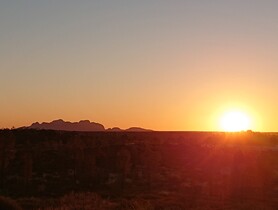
(158, 64)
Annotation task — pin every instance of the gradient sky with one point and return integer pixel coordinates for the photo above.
(159, 64)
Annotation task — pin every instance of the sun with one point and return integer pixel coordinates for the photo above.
(234, 121)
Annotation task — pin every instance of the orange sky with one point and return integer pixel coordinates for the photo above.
(163, 65)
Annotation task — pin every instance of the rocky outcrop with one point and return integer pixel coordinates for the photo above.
(83, 125)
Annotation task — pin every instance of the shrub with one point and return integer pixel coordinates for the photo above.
(8, 204)
(73, 201)
(135, 204)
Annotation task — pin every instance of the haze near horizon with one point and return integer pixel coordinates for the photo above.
(157, 64)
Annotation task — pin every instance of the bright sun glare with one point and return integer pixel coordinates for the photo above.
(235, 121)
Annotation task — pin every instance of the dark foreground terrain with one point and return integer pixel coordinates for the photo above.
(55, 170)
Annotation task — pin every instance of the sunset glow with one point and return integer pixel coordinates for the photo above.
(161, 65)
(176, 100)
(235, 121)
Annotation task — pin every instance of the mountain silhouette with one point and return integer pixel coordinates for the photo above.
(115, 129)
(137, 129)
(83, 125)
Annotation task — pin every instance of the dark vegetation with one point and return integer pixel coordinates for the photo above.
(139, 170)
(8, 204)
